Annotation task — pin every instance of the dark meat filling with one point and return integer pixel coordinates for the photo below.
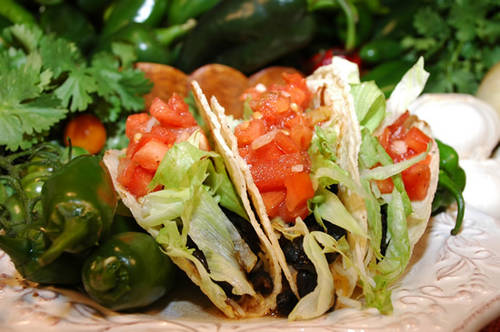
(384, 243)
(286, 300)
(245, 229)
(295, 256)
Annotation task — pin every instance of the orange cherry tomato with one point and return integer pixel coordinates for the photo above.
(86, 131)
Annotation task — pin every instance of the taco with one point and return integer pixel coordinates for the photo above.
(179, 191)
(310, 157)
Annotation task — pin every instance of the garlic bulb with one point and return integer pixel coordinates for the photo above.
(468, 124)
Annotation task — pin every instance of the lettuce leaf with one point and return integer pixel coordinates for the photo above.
(321, 298)
(333, 211)
(408, 89)
(369, 103)
(195, 182)
(216, 237)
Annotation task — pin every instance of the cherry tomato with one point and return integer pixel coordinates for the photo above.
(86, 131)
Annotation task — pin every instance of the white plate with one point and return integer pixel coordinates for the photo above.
(453, 284)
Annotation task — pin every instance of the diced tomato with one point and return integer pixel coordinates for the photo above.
(403, 142)
(285, 143)
(272, 106)
(138, 185)
(272, 201)
(290, 216)
(136, 144)
(298, 90)
(417, 180)
(136, 123)
(247, 132)
(126, 168)
(299, 189)
(385, 186)
(417, 140)
(164, 135)
(150, 154)
(174, 113)
(270, 174)
(300, 131)
(270, 151)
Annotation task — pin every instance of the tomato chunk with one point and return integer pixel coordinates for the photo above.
(138, 185)
(136, 123)
(299, 189)
(402, 141)
(272, 201)
(247, 132)
(174, 113)
(150, 154)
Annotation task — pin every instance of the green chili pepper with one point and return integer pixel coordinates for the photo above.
(16, 13)
(151, 45)
(182, 10)
(247, 34)
(24, 237)
(23, 249)
(127, 271)
(68, 22)
(124, 12)
(380, 50)
(78, 203)
(451, 184)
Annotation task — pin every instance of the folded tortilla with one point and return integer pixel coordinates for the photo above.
(211, 231)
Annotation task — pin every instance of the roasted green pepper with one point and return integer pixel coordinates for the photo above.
(127, 271)
(180, 11)
(380, 50)
(123, 12)
(150, 45)
(247, 34)
(16, 13)
(78, 203)
(451, 184)
(24, 238)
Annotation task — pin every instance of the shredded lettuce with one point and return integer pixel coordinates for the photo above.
(216, 237)
(321, 298)
(195, 182)
(369, 103)
(333, 211)
(408, 89)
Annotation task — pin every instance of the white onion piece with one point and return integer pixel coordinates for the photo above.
(468, 124)
(150, 124)
(263, 140)
(482, 185)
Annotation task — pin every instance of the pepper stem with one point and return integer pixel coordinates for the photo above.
(167, 36)
(75, 230)
(446, 182)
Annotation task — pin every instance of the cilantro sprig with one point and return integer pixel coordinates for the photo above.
(45, 78)
(460, 41)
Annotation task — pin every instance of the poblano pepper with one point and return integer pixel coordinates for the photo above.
(150, 45)
(127, 271)
(451, 184)
(78, 203)
(180, 11)
(123, 12)
(24, 238)
(247, 34)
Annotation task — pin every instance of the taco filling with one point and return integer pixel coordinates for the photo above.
(342, 195)
(179, 191)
